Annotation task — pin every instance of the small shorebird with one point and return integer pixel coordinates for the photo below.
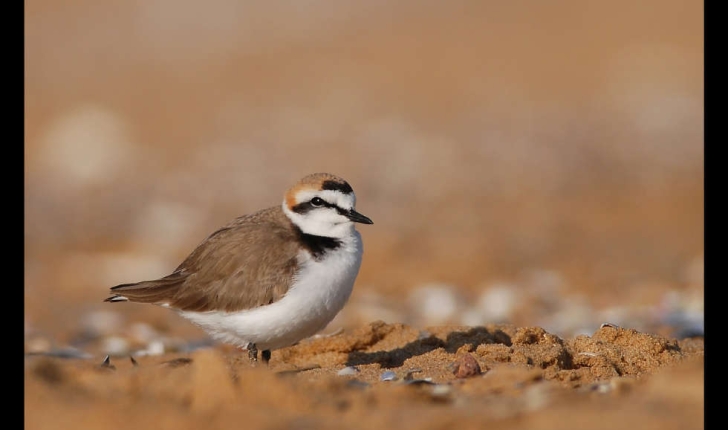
(268, 279)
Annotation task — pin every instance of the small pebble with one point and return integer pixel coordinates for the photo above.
(154, 348)
(101, 323)
(348, 371)
(355, 383)
(388, 376)
(441, 390)
(604, 388)
(143, 333)
(466, 366)
(115, 345)
(496, 304)
(598, 387)
(435, 304)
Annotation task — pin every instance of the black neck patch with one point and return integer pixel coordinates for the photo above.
(344, 187)
(317, 245)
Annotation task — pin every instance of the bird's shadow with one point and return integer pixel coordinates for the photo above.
(454, 341)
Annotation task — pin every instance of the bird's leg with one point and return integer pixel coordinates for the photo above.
(252, 352)
(265, 355)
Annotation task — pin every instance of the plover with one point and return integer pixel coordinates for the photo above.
(271, 278)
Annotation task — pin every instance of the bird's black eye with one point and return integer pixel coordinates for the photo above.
(317, 201)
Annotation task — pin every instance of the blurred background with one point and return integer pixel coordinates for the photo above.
(539, 163)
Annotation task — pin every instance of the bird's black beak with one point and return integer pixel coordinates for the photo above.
(357, 217)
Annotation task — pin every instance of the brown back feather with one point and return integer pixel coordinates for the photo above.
(248, 263)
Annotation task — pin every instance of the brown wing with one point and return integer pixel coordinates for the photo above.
(248, 263)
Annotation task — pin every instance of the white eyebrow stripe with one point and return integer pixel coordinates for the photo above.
(344, 201)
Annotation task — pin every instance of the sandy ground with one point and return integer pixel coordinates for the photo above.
(386, 376)
(533, 170)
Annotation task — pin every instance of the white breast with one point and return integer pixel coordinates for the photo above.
(319, 292)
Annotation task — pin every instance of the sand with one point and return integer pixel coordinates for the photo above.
(493, 376)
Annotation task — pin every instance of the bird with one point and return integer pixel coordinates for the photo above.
(268, 279)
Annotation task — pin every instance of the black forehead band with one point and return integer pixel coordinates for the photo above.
(344, 187)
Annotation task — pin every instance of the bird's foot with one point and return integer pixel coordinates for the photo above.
(252, 352)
